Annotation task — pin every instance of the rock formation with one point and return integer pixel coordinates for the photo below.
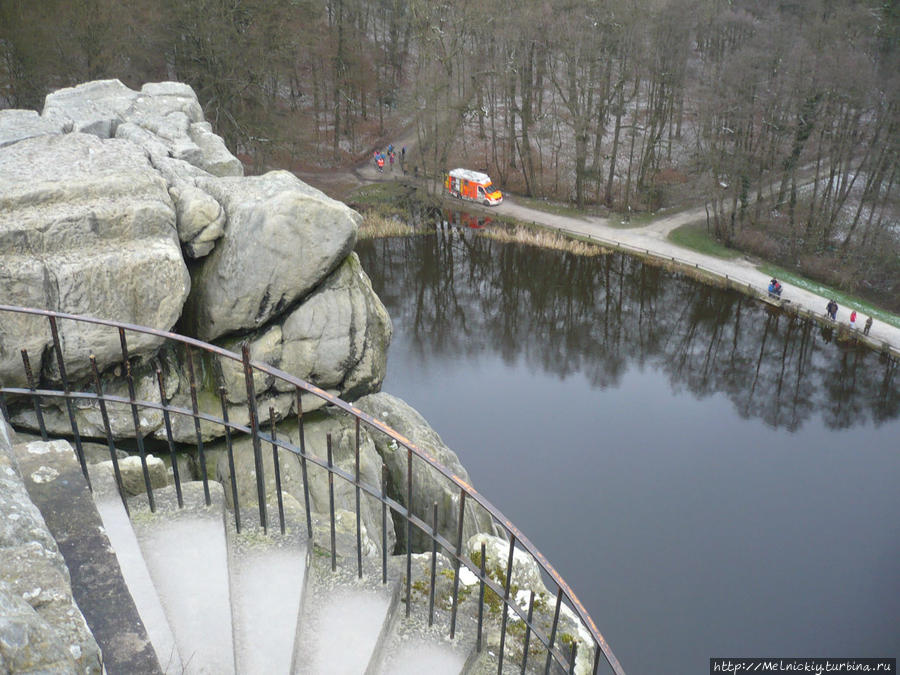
(123, 205)
(105, 198)
(431, 486)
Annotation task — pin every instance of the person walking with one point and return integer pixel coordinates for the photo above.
(868, 326)
(853, 319)
(391, 156)
(831, 309)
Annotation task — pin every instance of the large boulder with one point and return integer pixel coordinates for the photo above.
(282, 238)
(337, 339)
(428, 484)
(87, 227)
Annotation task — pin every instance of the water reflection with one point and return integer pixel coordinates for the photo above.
(463, 294)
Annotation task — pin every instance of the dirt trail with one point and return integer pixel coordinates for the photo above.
(651, 238)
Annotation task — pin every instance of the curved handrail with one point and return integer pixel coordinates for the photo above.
(466, 491)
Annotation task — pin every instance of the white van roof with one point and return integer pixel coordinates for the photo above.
(474, 176)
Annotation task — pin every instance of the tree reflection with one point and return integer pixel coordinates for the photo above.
(461, 294)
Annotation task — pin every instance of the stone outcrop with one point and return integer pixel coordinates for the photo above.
(102, 199)
(87, 227)
(430, 486)
(164, 117)
(41, 627)
(338, 338)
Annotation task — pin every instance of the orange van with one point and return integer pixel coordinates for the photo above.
(473, 186)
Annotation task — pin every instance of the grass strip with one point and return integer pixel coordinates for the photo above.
(694, 236)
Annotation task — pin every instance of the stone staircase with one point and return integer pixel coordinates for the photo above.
(179, 590)
(170, 579)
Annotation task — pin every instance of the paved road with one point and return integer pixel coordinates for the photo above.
(650, 238)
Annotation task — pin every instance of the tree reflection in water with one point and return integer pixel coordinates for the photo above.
(461, 294)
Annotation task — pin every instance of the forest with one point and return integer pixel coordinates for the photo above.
(781, 116)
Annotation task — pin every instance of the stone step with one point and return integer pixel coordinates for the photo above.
(411, 649)
(420, 642)
(267, 573)
(122, 537)
(186, 554)
(343, 619)
(57, 487)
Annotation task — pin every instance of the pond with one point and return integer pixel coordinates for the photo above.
(711, 477)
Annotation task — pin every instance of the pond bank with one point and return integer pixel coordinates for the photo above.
(650, 243)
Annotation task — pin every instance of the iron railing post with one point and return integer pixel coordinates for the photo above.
(254, 432)
(79, 451)
(229, 448)
(506, 586)
(135, 418)
(113, 455)
(35, 399)
(277, 466)
(166, 419)
(309, 531)
(195, 408)
(331, 503)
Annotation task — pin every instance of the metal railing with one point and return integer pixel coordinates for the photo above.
(56, 385)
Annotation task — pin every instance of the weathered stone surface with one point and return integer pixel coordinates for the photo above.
(337, 340)
(93, 107)
(164, 118)
(88, 416)
(316, 429)
(525, 579)
(87, 227)
(282, 238)
(17, 125)
(339, 337)
(201, 220)
(132, 473)
(27, 642)
(54, 480)
(428, 484)
(345, 535)
(32, 569)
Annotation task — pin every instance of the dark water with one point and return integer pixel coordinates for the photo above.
(711, 479)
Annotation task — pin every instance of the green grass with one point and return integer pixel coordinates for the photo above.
(378, 194)
(695, 237)
(842, 298)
